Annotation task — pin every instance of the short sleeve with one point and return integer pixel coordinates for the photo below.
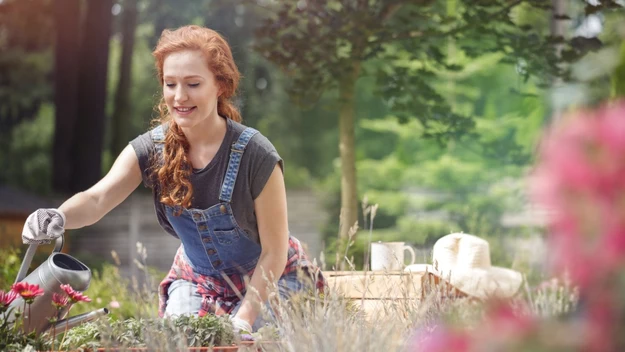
(263, 160)
(144, 148)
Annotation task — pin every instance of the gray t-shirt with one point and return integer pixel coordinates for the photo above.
(259, 160)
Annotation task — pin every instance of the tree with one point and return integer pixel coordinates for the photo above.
(121, 118)
(89, 129)
(80, 96)
(67, 59)
(24, 71)
(322, 45)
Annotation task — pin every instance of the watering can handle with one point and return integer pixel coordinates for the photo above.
(30, 253)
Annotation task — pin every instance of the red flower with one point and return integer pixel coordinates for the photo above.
(28, 291)
(75, 296)
(59, 301)
(7, 298)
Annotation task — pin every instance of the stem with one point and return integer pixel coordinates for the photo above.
(28, 326)
(66, 325)
(15, 323)
(24, 313)
(53, 336)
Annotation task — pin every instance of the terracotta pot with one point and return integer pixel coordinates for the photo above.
(234, 348)
(246, 347)
(190, 349)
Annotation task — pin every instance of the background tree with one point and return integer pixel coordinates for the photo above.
(67, 20)
(322, 45)
(26, 57)
(91, 101)
(121, 118)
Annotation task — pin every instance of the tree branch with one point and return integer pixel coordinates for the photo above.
(417, 34)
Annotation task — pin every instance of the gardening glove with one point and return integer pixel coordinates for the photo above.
(43, 226)
(242, 328)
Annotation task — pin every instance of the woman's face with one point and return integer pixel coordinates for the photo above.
(189, 88)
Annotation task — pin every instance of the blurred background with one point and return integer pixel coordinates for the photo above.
(437, 104)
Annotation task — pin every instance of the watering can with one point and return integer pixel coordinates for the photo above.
(59, 269)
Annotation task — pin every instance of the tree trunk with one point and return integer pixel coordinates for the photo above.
(558, 29)
(347, 146)
(67, 22)
(89, 138)
(618, 77)
(120, 125)
(159, 24)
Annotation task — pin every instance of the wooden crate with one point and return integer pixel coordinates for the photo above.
(375, 290)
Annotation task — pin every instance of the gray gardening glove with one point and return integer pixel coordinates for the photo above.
(43, 226)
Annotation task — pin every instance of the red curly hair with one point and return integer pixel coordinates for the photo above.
(173, 171)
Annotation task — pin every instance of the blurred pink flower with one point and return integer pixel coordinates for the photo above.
(59, 301)
(601, 324)
(442, 339)
(7, 298)
(75, 296)
(503, 326)
(580, 177)
(114, 304)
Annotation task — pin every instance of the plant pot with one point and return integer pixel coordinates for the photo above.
(244, 346)
(190, 349)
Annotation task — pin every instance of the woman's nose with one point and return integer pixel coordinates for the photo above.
(181, 95)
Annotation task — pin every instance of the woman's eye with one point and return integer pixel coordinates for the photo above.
(193, 84)
(170, 84)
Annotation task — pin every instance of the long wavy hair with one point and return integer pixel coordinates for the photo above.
(171, 173)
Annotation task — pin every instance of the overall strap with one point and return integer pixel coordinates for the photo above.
(158, 137)
(233, 164)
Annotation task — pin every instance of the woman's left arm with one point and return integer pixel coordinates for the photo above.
(271, 215)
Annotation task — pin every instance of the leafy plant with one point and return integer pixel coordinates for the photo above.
(185, 331)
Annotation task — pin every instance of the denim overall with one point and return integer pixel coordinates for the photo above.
(212, 240)
(214, 246)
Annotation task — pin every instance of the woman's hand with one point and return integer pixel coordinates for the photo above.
(43, 226)
(241, 326)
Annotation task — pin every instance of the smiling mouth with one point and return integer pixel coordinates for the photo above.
(184, 110)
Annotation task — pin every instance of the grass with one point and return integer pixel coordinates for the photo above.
(307, 322)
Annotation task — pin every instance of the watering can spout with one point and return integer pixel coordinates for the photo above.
(74, 321)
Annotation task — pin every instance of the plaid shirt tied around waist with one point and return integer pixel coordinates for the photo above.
(218, 295)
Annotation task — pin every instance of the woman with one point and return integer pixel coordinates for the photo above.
(217, 185)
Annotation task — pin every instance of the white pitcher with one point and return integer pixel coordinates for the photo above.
(390, 255)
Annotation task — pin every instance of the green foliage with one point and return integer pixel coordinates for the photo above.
(426, 190)
(108, 288)
(16, 340)
(28, 155)
(84, 336)
(169, 334)
(25, 60)
(618, 79)
(10, 262)
(209, 330)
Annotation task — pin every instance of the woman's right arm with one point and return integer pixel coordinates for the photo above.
(86, 208)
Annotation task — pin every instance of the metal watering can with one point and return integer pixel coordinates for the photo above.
(57, 270)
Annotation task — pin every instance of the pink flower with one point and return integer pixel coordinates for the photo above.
(507, 323)
(580, 177)
(442, 339)
(59, 301)
(114, 304)
(74, 296)
(6, 298)
(28, 291)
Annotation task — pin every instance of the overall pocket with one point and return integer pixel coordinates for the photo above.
(227, 238)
